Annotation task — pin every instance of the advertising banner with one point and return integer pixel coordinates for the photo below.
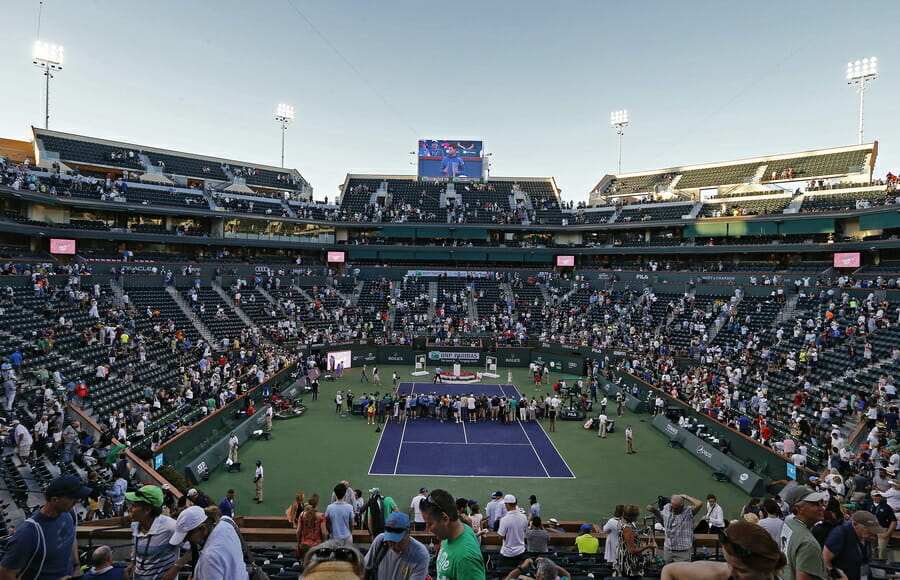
(398, 355)
(738, 474)
(448, 355)
(513, 357)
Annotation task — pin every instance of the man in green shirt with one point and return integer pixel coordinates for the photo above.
(460, 556)
(804, 554)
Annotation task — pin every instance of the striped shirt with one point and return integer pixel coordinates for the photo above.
(153, 555)
(679, 528)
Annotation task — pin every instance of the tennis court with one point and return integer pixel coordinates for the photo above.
(427, 447)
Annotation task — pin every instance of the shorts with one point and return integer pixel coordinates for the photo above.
(23, 450)
(93, 504)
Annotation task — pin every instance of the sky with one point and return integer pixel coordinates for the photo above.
(703, 81)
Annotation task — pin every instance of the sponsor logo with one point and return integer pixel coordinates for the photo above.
(202, 468)
(641, 277)
(743, 478)
(395, 358)
(670, 428)
(440, 355)
(701, 450)
(512, 360)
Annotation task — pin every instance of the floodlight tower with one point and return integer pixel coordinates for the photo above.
(618, 120)
(48, 57)
(859, 73)
(284, 114)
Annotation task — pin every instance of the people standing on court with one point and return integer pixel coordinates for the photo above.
(258, 481)
(363, 376)
(269, 415)
(395, 554)
(678, 524)
(233, 444)
(602, 422)
(338, 402)
(415, 510)
(339, 517)
(512, 530)
(460, 556)
(629, 440)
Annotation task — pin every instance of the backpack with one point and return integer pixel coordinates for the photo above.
(375, 509)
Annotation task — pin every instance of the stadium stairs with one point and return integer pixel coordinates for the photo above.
(195, 320)
(217, 286)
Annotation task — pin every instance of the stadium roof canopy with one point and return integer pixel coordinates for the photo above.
(773, 172)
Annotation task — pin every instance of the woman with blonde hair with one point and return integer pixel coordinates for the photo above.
(750, 554)
(292, 513)
(311, 528)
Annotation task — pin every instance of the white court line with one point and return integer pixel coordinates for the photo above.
(465, 435)
(461, 443)
(557, 450)
(378, 446)
(472, 476)
(400, 447)
(536, 454)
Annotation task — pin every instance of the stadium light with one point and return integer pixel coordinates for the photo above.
(284, 114)
(619, 120)
(48, 57)
(859, 73)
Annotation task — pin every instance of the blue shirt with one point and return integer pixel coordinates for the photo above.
(52, 556)
(849, 553)
(340, 515)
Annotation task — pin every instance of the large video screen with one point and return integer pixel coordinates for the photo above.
(451, 159)
(58, 246)
(847, 260)
(336, 257)
(565, 261)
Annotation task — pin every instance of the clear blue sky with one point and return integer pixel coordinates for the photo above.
(703, 81)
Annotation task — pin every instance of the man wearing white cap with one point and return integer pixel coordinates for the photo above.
(512, 529)
(804, 555)
(24, 440)
(221, 554)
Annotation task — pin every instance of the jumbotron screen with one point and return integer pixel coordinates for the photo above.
(58, 246)
(451, 159)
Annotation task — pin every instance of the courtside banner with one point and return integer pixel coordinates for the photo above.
(513, 357)
(450, 355)
(397, 355)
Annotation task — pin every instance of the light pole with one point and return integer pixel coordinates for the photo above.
(859, 73)
(619, 120)
(283, 115)
(50, 58)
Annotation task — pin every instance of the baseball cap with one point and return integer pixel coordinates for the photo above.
(868, 521)
(877, 492)
(67, 486)
(375, 490)
(187, 521)
(192, 492)
(396, 521)
(553, 521)
(497, 494)
(794, 495)
(585, 527)
(423, 490)
(148, 494)
(509, 498)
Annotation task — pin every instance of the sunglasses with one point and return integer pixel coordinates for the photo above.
(342, 554)
(739, 550)
(429, 499)
(395, 530)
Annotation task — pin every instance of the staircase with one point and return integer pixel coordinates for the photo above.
(303, 293)
(615, 215)
(790, 308)
(217, 286)
(695, 211)
(195, 320)
(267, 296)
(432, 299)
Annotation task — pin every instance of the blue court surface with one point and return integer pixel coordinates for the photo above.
(429, 448)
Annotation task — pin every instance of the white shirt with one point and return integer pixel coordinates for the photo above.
(512, 530)
(716, 515)
(611, 529)
(416, 506)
